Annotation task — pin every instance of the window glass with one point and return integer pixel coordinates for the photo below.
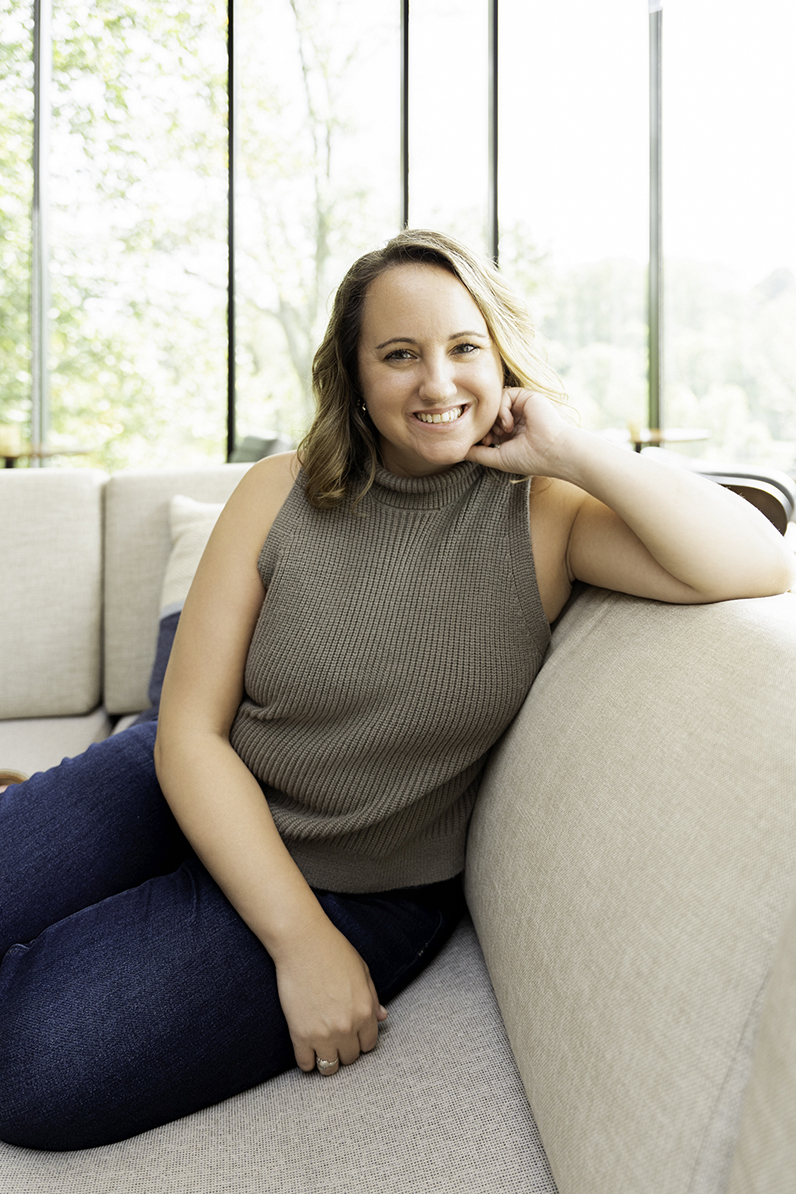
(729, 234)
(317, 182)
(573, 186)
(16, 195)
(448, 118)
(138, 230)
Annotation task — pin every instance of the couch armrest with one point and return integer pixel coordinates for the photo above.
(765, 1159)
(630, 861)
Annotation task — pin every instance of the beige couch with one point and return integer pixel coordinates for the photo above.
(631, 958)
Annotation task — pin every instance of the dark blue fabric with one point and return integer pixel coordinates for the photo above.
(131, 992)
(167, 628)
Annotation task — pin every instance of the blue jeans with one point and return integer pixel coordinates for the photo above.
(131, 992)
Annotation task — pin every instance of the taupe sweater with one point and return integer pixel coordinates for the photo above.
(395, 644)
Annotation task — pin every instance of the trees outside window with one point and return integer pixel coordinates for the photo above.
(138, 208)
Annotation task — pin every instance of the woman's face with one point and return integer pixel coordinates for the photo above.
(431, 377)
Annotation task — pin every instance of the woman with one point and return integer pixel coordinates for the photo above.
(169, 961)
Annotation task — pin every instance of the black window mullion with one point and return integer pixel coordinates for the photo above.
(231, 156)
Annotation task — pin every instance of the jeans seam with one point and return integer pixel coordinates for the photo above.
(409, 965)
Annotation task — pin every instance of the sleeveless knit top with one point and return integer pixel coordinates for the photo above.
(395, 644)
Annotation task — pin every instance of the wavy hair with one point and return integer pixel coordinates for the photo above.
(341, 446)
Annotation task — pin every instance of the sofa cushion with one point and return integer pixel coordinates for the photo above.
(630, 860)
(437, 1107)
(137, 550)
(51, 527)
(191, 524)
(38, 743)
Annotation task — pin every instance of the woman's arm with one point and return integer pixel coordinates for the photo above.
(622, 521)
(327, 995)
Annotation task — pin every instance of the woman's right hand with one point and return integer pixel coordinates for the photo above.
(328, 998)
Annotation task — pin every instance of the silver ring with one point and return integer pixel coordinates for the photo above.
(326, 1065)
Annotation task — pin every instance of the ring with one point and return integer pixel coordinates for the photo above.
(326, 1065)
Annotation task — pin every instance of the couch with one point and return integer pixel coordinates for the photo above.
(617, 1014)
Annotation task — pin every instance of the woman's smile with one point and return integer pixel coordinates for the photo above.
(430, 375)
(435, 417)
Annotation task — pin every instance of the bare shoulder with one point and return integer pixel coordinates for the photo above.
(554, 506)
(267, 484)
(259, 496)
(205, 673)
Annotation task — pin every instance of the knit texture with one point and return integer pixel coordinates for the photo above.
(395, 643)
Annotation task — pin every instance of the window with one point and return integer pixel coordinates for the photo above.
(729, 173)
(327, 95)
(317, 183)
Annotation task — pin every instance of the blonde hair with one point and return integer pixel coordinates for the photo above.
(341, 445)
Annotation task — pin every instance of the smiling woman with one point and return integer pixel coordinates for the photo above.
(416, 273)
(430, 390)
(287, 853)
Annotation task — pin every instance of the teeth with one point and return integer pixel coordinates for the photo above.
(446, 416)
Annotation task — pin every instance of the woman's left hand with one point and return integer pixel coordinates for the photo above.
(527, 437)
(631, 523)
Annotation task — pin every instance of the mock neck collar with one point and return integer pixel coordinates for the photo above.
(424, 493)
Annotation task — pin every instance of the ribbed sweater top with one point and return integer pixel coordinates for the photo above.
(395, 644)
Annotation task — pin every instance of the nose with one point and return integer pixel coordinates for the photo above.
(438, 384)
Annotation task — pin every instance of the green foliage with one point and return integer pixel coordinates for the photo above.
(731, 362)
(303, 216)
(16, 195)
(138, 242)
(137, 227)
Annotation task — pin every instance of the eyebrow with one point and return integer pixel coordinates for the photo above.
(409, 340)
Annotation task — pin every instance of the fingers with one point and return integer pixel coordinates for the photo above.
(505, 417)
(330, 1002)
(305, 1057)
(503, 426)
(328, 1055)
(329, 1058)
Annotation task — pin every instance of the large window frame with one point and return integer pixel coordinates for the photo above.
(42, 51)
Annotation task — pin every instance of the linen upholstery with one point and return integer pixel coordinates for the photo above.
(630, 860)
(191, 524)
(37, 743)
(765, 1157)
(137, 549)
(51, 547)
(438, 1107)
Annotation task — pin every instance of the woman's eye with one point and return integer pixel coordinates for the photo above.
(466, 349)
(399, 354)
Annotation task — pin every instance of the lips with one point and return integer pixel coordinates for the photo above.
(440, 416)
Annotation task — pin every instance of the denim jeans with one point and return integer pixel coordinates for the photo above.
(131, 992)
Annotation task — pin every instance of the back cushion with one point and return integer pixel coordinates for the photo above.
(137, 548)
(51, 595)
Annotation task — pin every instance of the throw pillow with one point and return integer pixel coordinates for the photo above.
(191, 523)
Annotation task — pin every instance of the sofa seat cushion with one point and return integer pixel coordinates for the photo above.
(439, 1107)
(38, 743)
